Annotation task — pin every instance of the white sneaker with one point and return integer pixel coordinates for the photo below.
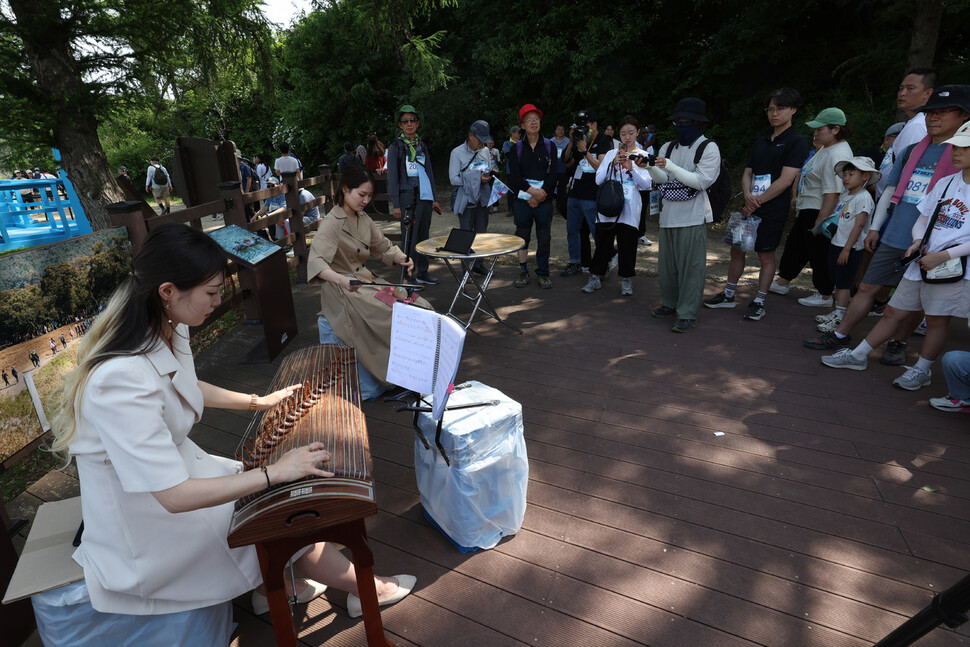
(921, 328)
(779, 289)
(828, 325)
(825, 317)
(643, 240)
(626, 287)
(816, 301)
(913, 379)
(592, 284)
(844, 359)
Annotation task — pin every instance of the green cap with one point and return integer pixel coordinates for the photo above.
(407, 107)
(828, 117)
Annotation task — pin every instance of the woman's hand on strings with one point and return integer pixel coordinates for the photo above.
(300, 462)
(274, 398)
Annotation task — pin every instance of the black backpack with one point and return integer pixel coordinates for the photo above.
(159, 177)
(718, 193)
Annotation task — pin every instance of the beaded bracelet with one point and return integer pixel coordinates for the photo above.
(252, 401)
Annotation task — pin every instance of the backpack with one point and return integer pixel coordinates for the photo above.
(718, 193)
(159, 177)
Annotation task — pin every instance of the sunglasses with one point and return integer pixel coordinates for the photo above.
(410, 120)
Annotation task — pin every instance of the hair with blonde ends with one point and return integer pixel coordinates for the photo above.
(133, 319)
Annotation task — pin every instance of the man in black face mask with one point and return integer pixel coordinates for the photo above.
(684, 214)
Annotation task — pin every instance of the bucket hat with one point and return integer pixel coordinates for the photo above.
(691, 108)
(948, 96)
(526, 109)
(407, 107)
(862, 163)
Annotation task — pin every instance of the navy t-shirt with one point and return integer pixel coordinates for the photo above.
(768, 157)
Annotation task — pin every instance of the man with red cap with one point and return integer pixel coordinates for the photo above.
(532, 178)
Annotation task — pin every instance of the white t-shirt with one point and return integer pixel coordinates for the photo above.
(912, 132)
(262, 173)
(848, 208)
(951, 226)
(819, 176)
(634, 181)
(287, 164)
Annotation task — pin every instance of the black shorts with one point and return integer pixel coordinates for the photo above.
(843, 275)
(769, 232)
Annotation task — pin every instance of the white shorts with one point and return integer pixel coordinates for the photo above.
(935, 299)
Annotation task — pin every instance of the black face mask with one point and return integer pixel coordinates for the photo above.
(687, 133)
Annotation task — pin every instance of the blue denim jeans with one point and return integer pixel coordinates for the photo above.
(576, 212)
(370, 387)
(956, 368)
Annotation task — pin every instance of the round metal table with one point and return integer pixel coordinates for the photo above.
(486, 246)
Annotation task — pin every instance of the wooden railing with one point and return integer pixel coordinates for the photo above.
(233, 204)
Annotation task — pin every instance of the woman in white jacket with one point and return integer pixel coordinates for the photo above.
(156, 506)
(627, 165)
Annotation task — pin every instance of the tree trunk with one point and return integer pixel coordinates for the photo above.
(926, 31)
(45, 39)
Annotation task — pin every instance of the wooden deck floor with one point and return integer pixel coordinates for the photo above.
(831, 507)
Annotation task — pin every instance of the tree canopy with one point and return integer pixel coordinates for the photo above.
(146, 71)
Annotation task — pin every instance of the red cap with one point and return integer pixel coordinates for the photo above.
(527, 108)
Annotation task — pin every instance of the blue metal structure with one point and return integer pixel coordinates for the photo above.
(40, 212)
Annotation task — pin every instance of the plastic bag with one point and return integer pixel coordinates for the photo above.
(481, 496)
(65, 618)
(742, 232)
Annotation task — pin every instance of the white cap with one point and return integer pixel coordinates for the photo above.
(961, 137)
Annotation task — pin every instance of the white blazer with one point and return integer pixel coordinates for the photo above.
(134, 418)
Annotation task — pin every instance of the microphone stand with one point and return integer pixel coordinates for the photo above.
(407, 223)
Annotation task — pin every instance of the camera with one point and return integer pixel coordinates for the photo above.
(581, 126)
(651, 159)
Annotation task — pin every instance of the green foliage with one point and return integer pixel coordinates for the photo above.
(61, 286)
(21, 310)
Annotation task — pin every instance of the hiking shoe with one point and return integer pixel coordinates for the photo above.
(643, 240)
(626, 287)
(826, 341)
(755, 312)
(895, 354)
(951, 405)
(543, 281)
(522, 281)
(829, 325)
(913, 379)
(816, 301)
(719, 300)
(571, 270)
(426, 279)
(921, 328)
(594, 283)
(663, 311)
(779, 289)
(878, 310)
(826, 316)
(844, 359)
(684, 325)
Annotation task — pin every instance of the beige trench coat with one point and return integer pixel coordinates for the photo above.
(358, 319)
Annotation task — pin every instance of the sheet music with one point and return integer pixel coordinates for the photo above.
(450, 343)
(425, 352)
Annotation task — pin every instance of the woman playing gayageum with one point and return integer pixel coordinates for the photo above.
(156, 507)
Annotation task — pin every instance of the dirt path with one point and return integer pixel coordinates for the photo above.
(17, 356)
